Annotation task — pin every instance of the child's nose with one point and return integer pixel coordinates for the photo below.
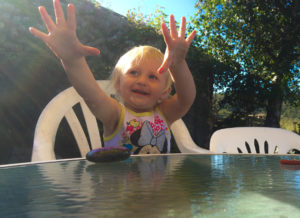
(142, 79)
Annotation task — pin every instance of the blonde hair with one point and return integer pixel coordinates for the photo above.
(137, 54)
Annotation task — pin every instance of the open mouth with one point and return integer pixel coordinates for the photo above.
(140, 92)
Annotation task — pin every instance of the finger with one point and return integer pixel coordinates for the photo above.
(71, 17)
(59, 13)
(182, 28)
(166, 33)
(173, 29)
(191, 37)
(42, 36)
(90, 51)
(165, 65)
(50, 25)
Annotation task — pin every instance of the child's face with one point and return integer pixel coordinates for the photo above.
(141, 87)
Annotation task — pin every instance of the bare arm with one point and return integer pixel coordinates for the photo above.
(63, 41)
(177, 47)
(103, 107)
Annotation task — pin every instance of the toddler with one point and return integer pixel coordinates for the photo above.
(142, 77)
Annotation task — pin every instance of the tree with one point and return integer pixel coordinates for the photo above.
(151, 21)
(263, 38)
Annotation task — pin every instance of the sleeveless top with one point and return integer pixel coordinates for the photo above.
(142, 133)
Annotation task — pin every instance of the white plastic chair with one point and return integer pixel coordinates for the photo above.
(61, 106)
(246, 140)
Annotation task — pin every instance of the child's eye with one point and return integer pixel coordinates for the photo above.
(133, 73)
(153, 77)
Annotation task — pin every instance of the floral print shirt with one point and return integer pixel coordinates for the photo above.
(142, 133)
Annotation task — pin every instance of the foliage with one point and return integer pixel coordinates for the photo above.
(290, 117)
(152, 20)
(260, 40)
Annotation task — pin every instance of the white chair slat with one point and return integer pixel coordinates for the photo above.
(78, 132)
(92, 126)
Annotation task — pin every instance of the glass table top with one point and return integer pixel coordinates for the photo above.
(153, 186)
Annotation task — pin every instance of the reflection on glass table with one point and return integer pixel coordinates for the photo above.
(153, 186)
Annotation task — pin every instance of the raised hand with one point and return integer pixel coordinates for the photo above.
(177, 44)
(62, 38)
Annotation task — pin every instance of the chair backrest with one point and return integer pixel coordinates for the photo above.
(61, 106)
(264, 140)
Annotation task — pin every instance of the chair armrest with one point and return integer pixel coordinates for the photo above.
(184, 140)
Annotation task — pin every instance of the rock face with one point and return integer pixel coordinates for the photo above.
(30, 75)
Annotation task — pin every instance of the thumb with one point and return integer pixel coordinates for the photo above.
(90, 51)
(165, 65)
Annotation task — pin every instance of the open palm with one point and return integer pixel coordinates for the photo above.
(62, 38)
(177, 44)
